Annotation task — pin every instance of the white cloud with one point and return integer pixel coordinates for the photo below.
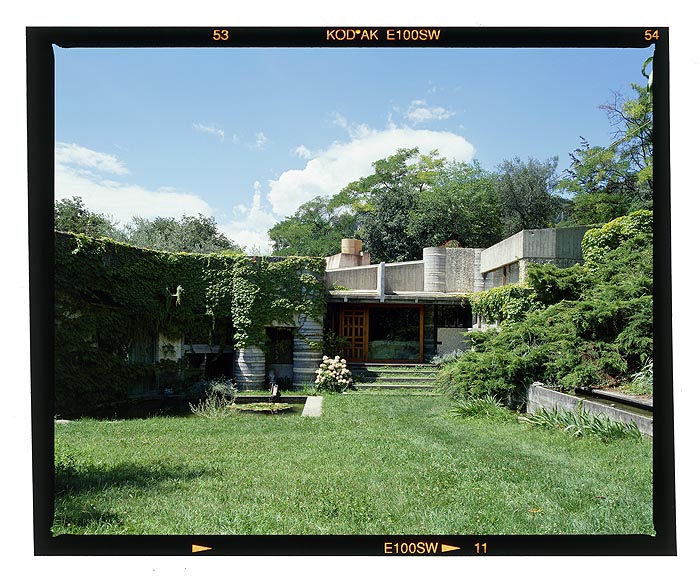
(84, 158)
(208, 129)
(302, 152)
(342, 163)
(120, 200)
(340, 120)
(419, 111)
(260, 141)
(250, 224)
(326, 173)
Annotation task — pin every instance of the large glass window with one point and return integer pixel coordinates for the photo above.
(394, 333)
(454, 316)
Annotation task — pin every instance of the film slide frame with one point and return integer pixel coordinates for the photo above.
(41, 117)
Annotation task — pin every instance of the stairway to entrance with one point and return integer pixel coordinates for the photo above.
(376, 376)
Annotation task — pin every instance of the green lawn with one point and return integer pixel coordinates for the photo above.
(372, 464)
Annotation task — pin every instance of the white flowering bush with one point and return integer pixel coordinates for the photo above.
(333, 375)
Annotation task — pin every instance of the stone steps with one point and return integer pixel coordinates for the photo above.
(383, 376)
(392, 386)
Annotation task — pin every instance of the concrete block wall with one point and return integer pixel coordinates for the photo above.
(344, 260)
(540, 397)
(460, 268)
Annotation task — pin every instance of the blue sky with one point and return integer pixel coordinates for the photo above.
(247, 135)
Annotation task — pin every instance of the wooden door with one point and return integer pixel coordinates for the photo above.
(353, 328)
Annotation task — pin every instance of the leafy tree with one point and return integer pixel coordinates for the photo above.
(70, 215)
(390, 195)
(461, 206)
(315, 229)
(383, 227)
(633, 122)
(410, 201)
(190, 234)
(526, 193)
(608, 182)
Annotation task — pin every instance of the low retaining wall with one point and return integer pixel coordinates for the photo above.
(540, 397)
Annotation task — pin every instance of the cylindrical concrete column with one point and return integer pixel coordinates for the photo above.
(307, 352)
(250, 368)
(350, 246)
(434, 269)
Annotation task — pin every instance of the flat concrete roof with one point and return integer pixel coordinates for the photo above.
(339, 296)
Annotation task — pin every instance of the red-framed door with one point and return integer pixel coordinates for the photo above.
(353, 328)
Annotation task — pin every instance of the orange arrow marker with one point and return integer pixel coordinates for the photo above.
(445, 548)
(198, 548)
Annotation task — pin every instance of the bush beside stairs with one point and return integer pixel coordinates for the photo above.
(371, 376)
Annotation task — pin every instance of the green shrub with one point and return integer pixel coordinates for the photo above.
(333, 343)
(599, 339)
(219, 395)
(552, 284)
(487, 406)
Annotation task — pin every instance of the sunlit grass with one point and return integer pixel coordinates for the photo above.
(372, 464)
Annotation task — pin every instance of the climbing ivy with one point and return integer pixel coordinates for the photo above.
(108, 294)
(598, 242)
(504, 304)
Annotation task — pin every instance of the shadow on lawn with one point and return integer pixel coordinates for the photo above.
(75, 490)
(89, 478)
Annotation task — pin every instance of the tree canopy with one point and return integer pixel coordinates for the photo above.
(526, 193)
(409, 202)
(614, 180)
(315, 229)
(189, 234)
(71, 215)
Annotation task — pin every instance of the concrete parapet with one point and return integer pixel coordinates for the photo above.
(461, 270)
(403, 276)
(355, 278)
(544, 244)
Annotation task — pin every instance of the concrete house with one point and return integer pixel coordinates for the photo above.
(410, 311)
(144, 331)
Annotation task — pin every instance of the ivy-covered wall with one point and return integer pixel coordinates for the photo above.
(108, 294)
